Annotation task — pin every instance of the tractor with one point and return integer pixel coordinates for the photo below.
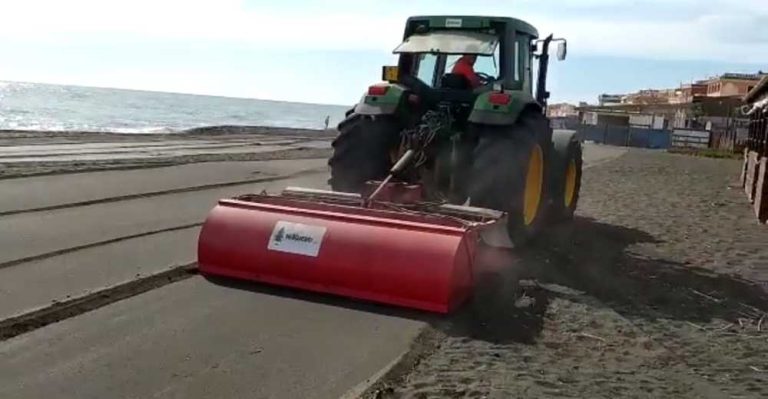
(490, 146)
(428, 169)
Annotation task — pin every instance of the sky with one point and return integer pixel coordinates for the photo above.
(331, 51)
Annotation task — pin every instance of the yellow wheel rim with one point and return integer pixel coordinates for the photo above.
(570, 183)
(534, 182)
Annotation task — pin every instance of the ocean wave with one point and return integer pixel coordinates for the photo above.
(151, 130)
(31, 106)
(53, 127)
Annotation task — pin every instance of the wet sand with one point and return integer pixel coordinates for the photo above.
(30, 153)
(50, 191)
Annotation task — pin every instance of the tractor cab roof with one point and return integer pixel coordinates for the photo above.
(468, 22)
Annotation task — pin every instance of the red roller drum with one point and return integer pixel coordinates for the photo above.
(375, 255)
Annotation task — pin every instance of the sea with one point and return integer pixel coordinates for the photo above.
(35, 106)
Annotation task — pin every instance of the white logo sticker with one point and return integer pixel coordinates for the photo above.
(453, 22)
(296, 238)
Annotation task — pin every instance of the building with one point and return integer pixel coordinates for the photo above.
(561, 110)
(732, 84)
(609, 99)
(563, 116)
(688, 92)
(610, 117)
(712, 104)
(725, 85)
(650, 96)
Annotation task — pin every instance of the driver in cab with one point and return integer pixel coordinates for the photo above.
(465, 66)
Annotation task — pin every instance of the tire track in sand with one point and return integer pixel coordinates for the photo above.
(160, 192)
(59, 311)
(62, 251)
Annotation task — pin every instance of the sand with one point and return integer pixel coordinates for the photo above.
(305, 147)
(153, 335)
(657, 290)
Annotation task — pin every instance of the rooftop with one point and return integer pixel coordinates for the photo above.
(739, 76)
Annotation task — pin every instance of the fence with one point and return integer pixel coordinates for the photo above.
(724, 141)
(732, 138)
(690, 138)
(754, 176)
(757, 139)
(634, 136)
(626, 136)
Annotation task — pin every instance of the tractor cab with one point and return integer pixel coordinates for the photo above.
(504, 49)
(432, 56)
(438, 52)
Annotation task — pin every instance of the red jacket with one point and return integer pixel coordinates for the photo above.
(463, 67)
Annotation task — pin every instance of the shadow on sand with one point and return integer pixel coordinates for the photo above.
(595, 258)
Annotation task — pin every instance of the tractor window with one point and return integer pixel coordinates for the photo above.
(425, 70)
(524, 61)
(516, 61)
(486, 64)
(534, 74)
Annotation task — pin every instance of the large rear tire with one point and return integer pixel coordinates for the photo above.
(361, 152)
(510, 173)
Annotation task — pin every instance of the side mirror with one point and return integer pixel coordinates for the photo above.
(562, 50)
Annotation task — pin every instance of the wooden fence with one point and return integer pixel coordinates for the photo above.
(755, 169)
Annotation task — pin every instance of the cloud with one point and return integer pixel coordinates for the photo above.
(674, 30)
(670, 29)
(279, 49)
(740, 30)
(227, 20)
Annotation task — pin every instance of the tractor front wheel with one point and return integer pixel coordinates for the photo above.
(566, 181)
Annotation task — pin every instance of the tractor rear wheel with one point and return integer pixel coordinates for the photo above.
(510, 173)
(361, 151)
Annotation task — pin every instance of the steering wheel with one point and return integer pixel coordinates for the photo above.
(485, 78)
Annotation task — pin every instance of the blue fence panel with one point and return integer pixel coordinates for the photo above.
(590, 132)
(625, 136)
(659, 139)
(638, 137)
(616, 135)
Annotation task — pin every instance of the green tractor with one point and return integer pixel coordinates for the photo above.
(490, 146)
